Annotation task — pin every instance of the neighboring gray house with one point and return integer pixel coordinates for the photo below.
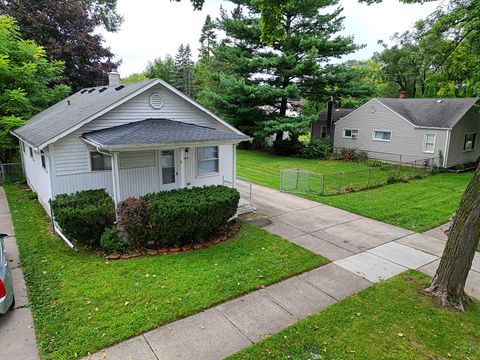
(319, 129)
(130, 139)
(413, 128)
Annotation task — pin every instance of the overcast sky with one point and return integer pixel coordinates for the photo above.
(154, 28)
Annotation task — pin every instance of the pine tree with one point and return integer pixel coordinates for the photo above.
(184, 70)
(252, 76)
(208, 39)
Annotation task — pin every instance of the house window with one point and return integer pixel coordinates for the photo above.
(382, 135)
(44, 163)
(31, 151)
(207, 160)
(100, 161)
(323, 132)
(23, 146)
(469, 142)
(429, 143)
(168, 167)
(350, 133)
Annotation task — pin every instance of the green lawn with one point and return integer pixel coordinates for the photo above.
(390, 320)
(82, 303)
(418, 205)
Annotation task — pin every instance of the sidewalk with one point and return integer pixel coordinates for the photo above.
(363, 252)
(17, 335)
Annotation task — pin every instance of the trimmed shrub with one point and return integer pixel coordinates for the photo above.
(110, 242)
(347, 154)
(316, 149)
(287, 147)
(394, 178)
(83, 216)
(132, 218)
(189, 216)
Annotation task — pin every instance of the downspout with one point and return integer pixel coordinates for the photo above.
(447, 149)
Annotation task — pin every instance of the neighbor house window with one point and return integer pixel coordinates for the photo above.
(207, 160)
(100, 161)
(429, 144)
(469, 142)
(323, 132)
(382, 135)
(350, 133)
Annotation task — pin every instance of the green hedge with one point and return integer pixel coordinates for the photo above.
(83, 216)
(188, 216)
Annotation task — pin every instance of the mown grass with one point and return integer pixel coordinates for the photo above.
(390, 320)
(82, 302)
(418, 205)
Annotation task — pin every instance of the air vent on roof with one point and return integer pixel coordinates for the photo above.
(102, 89)
(119, 87)
(156, 101)
(91, 90)
(83, 91)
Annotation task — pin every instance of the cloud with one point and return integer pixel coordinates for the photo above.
(154, 28)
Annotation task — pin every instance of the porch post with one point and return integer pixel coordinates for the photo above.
(116, 179)
(182, 168)
(234, 170)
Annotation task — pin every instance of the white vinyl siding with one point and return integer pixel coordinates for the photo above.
(37, 177)
(137, 159)
(469, 124)
(429, 143)
(382, 135)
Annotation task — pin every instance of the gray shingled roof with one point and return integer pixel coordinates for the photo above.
(74, 110)
(442, 113)
(158, 131)
(337, 114)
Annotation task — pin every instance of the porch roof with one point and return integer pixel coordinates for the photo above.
(158, 131)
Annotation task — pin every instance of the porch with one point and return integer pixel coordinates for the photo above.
(158, 155)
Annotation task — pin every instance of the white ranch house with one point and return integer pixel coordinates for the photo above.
(413, 128)
(129, 139)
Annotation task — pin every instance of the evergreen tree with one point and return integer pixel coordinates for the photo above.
(208, 39)
(162, 68)
(184, 70)
(252, 76)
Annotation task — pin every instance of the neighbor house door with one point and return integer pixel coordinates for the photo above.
(168, 172)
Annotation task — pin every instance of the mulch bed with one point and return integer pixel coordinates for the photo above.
(230, 230)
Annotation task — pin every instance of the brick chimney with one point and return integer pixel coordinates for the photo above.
(113, 78)
(403, 95)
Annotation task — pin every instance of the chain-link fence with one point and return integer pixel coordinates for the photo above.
(306, 182)
(11, 173)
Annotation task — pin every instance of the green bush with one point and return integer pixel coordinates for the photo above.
(287, 147)
(188, 216)
(83, 216)
(316, 149)
(110, 242)
(394, 178)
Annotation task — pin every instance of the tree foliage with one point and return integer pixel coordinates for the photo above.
(184, 70)
(254, 81)
(161, 68)
(66, 30)
(26, 77)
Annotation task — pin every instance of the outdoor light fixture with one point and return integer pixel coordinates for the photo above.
(186, 154)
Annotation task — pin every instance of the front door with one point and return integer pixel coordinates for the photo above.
(168, 175)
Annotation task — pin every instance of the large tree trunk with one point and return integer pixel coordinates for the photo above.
(449, 281)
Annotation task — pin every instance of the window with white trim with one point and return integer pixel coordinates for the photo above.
(429, 143)
(350, 133)
(207, 159)
(469, 142)
(382, 135)
(99, 161)
(31, 151)
(43, 160)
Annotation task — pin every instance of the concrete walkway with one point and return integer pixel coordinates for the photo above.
(17, 335)
(363, 252)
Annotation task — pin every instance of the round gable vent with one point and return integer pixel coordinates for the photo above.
(156, 101)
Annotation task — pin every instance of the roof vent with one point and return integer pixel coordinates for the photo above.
(156, 101)
(439, 101)
(91, 90)
(83, 91)
(102, 89)
(119, 87)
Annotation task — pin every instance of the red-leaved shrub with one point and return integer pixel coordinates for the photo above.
(132, 218)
